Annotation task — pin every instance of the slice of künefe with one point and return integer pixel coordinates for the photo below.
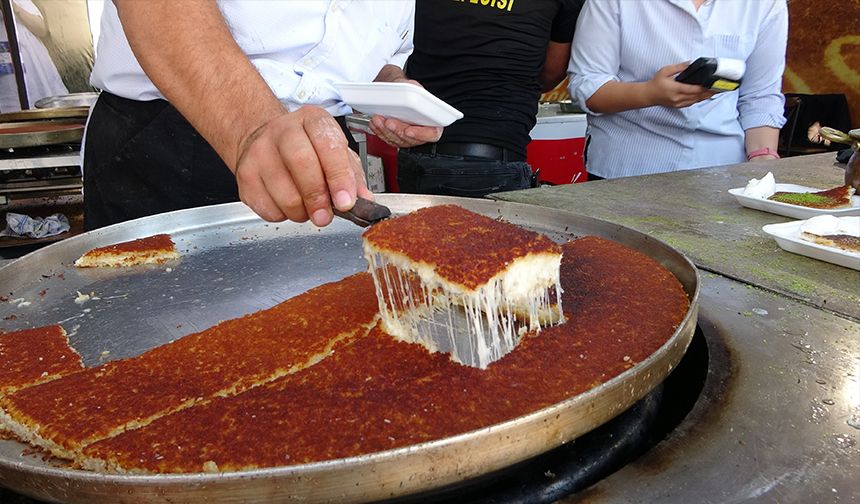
(459, 282)
(830, 199)
(838, 232)
(32, 356)
(156, 249)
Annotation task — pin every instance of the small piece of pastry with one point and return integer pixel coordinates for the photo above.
(156, 249)
(844, 242)
(831, 199)
(462, 283)
(838, 232)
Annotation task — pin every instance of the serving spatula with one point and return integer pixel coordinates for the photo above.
(365, 212)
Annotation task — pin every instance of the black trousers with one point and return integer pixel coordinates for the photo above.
(463, 176)
(143, 157)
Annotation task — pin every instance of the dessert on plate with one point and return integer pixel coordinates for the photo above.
(838, 232)
(829, 199)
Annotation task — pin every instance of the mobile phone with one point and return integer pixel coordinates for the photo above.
(718, 74)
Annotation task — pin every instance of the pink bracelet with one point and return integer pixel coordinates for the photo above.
(764, 151)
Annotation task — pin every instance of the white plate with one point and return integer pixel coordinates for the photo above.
(789, 210)
(787, 236)
(400, 100)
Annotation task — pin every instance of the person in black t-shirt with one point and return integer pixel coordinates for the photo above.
(491, 59)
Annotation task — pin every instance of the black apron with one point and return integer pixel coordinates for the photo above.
(143, 157)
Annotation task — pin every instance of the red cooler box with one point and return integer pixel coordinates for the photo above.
(558, 145)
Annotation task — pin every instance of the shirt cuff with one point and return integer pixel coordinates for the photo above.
(759, 119)
(398, 59)
(582, 88)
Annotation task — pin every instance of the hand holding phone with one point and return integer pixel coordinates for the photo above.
(717, 74)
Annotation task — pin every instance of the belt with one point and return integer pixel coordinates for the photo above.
(477, 150)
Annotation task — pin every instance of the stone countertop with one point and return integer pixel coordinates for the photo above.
(692, 211)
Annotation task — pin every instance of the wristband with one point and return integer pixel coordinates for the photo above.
(764, 151)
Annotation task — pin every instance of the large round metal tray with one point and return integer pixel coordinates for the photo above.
(47, 114)
(69, 100)
(234, 263)
(15, 135)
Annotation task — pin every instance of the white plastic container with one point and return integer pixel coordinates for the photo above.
(407, 102)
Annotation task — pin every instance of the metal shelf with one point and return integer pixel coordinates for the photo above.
(53, 161)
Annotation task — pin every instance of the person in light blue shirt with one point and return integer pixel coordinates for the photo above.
(623, 63)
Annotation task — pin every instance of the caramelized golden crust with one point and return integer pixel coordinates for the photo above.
(461, 246)
(229, 357)
(835, 198)
(154, 249)
(32, 356)
(378, 394)
(840, 241)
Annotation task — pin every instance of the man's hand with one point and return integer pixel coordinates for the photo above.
(665, 90)
(400, 134)
(297, 166)
(394, 131)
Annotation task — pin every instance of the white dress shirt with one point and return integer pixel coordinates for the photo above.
(630, 40)
(299, 47)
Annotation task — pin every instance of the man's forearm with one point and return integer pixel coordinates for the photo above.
(190, 55)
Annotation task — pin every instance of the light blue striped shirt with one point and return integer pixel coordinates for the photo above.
(630, 40)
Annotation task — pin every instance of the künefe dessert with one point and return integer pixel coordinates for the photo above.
(459, 282)
(379, 393)
(156, 249)
(304, 382)
(838, 232)
(64, 415)
(830, 199)
(32, 356)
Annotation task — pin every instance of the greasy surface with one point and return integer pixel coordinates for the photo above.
(35, 355)
(157, 248)
(693, 212)
(234, 354)
(461, 246)
(378, 394)
(836, 197)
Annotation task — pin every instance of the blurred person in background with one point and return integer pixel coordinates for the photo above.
(40, 73)
(622, 72)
